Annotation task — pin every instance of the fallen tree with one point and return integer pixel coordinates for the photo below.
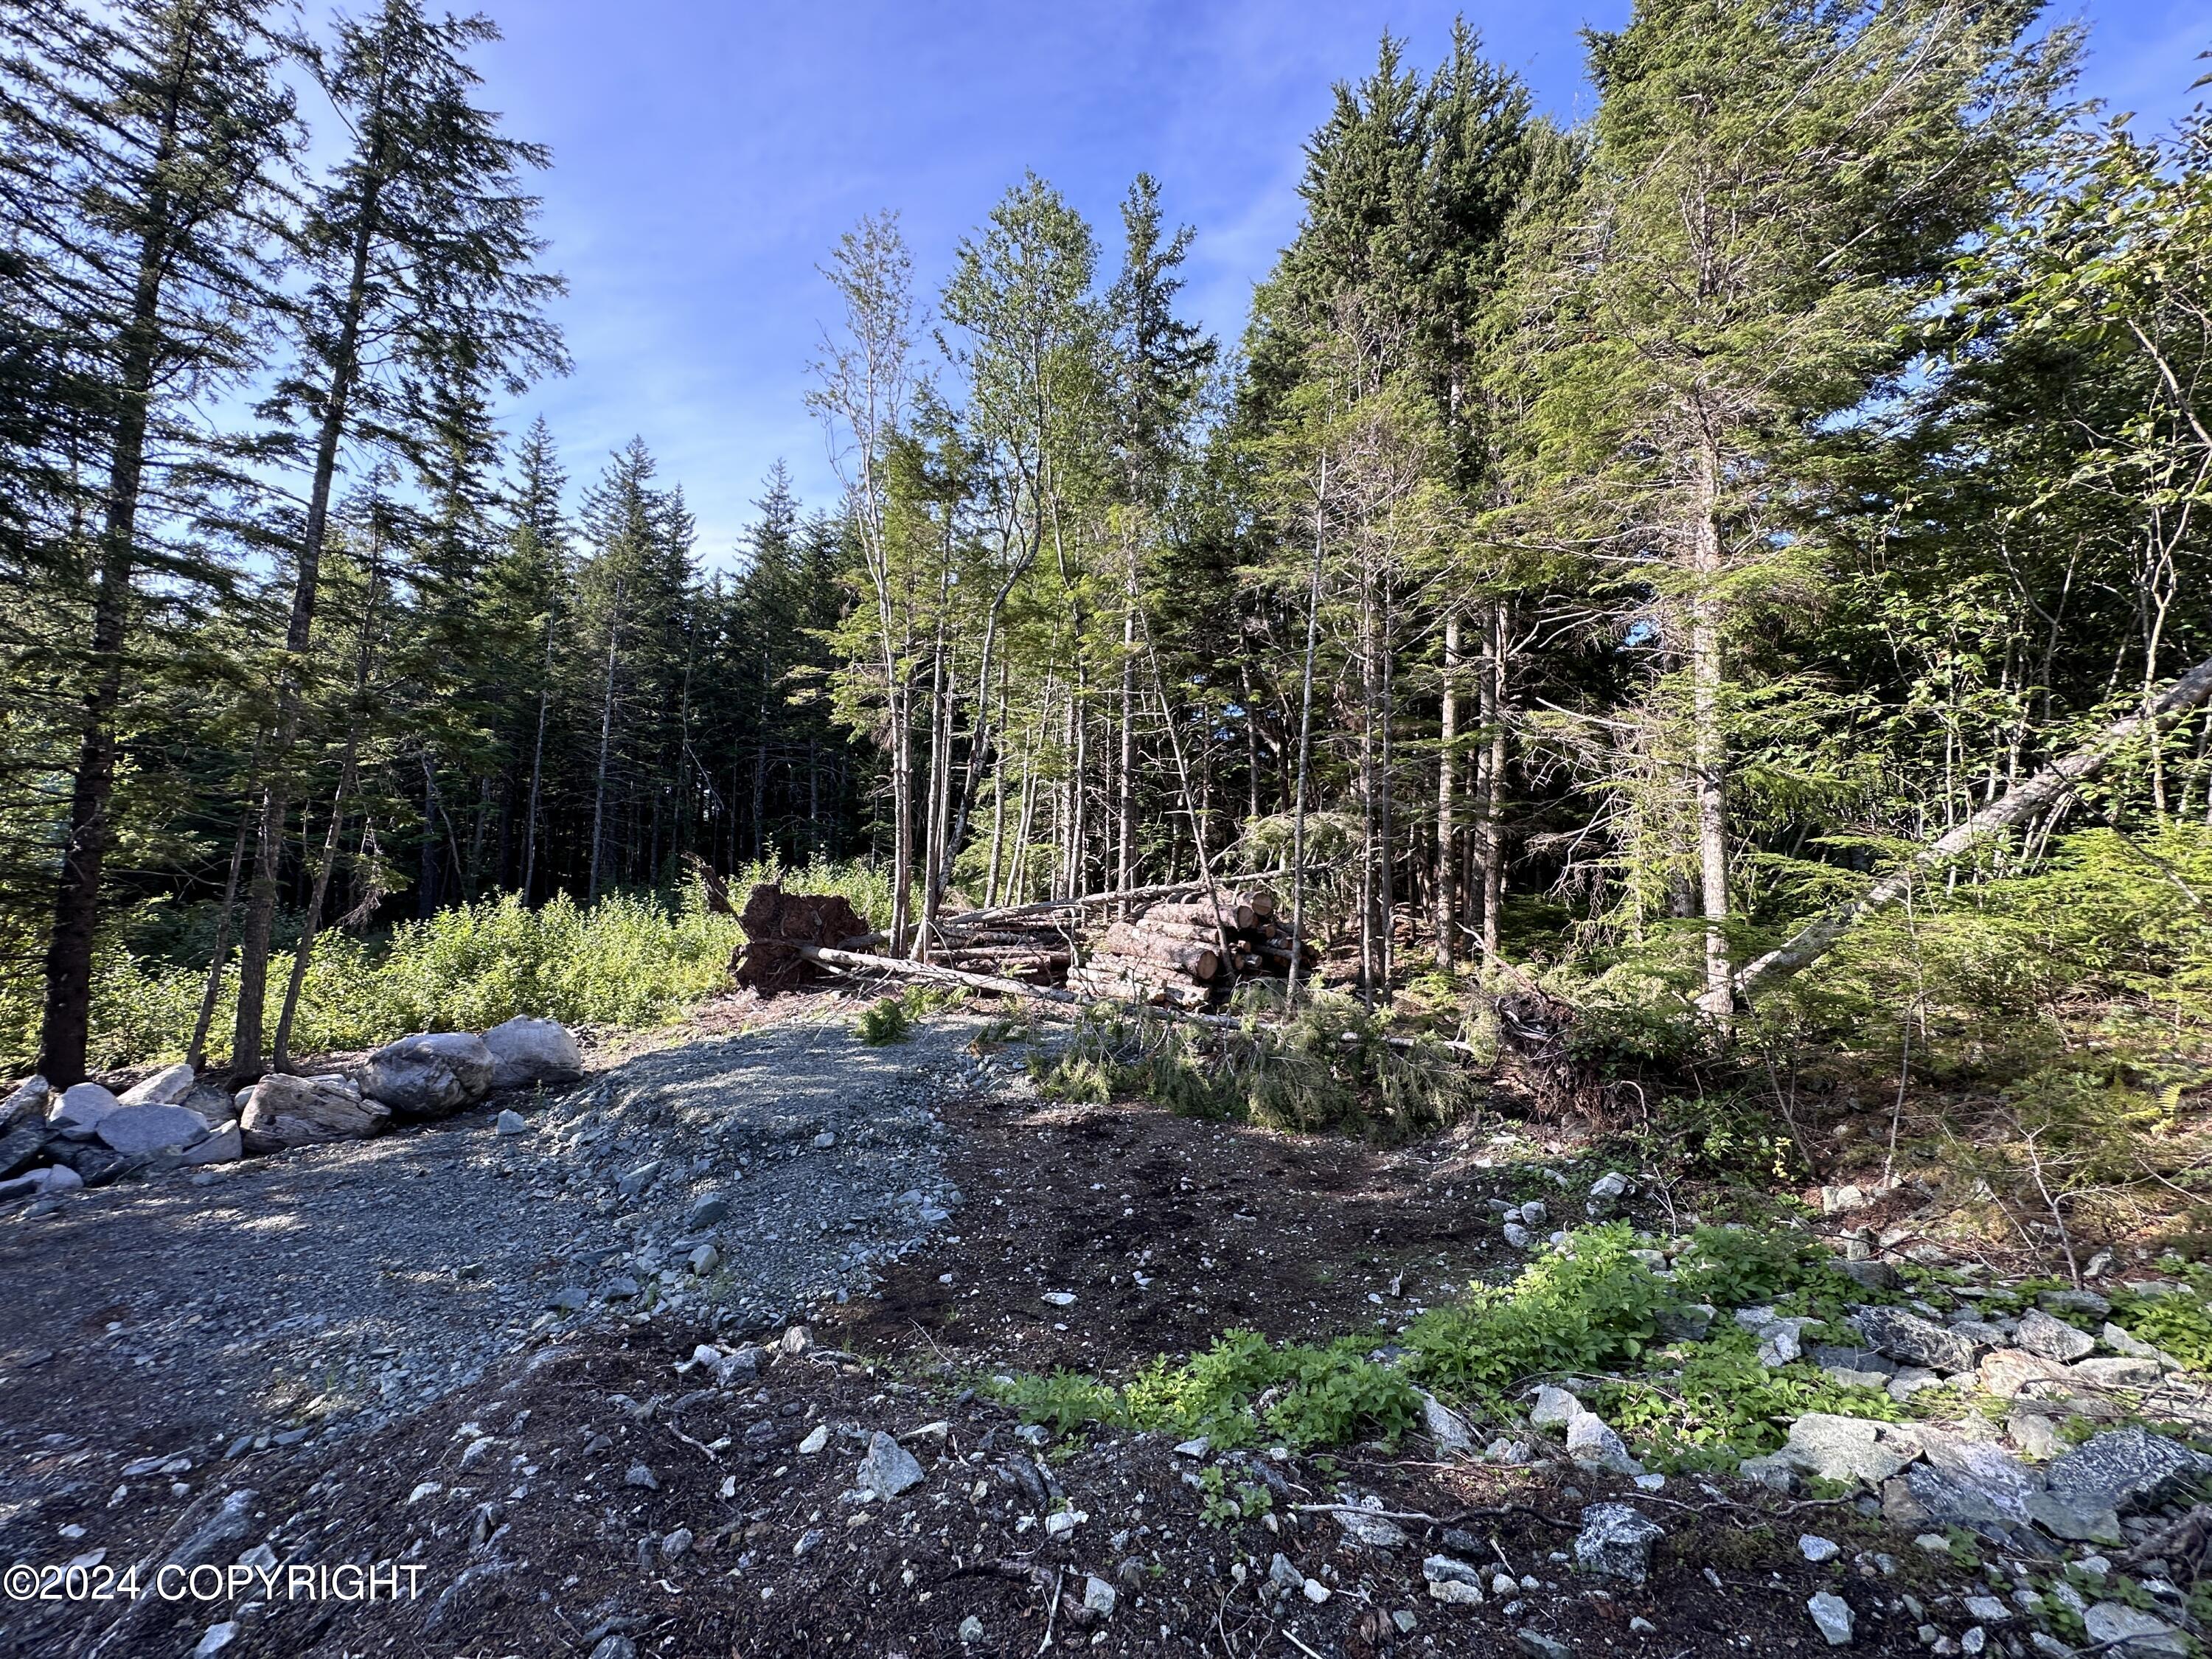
(2015, 807)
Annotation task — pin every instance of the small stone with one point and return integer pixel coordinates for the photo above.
(826, 1140)
(2053, 1339)
(817, 1438)
(1537, 1645)
(1907, 1337)
(1615, 1542)
(971, 1631)
(1533, 1214)
(708, 1209)
(1315, 1591)
(1197, 1448)
(1589, 1441)
(1404, 1619)
(1061, 1522)
(1517, 1236)
(1554, 1408)
(2035, 1434)
(889, 1469)
(511, 1122)
(1841, 1449)
(1832, 1616)
(1986, 1609)
(1371, 1530)
(705, 1260)
(1609, 1186)
(215, 1640)
(1874, 1275)
(638, 1475)
(1447, 1429)
(1817, 1549)
(1284, 1574)
(673, 1546)
(1059, 1298)
(614, 1647)
(2075, 1302)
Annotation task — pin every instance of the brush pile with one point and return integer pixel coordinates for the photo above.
(1186, 953)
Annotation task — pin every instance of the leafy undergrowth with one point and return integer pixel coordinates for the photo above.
(1598, 1305)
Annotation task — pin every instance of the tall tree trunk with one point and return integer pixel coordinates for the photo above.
(1491, 834)
(607, 746)
(1444, 909)
(1709, 743)
(219, 960)
(1125, 784)
(345, 363)
(1305, 741)
(280, 1052)
(536, 768)
(65, 1029)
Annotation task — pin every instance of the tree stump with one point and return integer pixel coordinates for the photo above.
(777, 923)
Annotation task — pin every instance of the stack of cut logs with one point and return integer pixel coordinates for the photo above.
(1184, 953)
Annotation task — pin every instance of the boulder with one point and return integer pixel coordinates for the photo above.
(2005, 1371)
(2127, 1632)
(428, 1074)
(2122, 1469)
(77, 1114)
(1591, 1443)
(28, 1102)
(142, 1131)
(2075, 1302)
(2052, 1339)
(1688, 1322)
(1832, 1617)
(1554, 1408)
(304, 1111)
(167, 1087)
(41, 1183)
(1447, 1429)
(2107, 1372)
(20, 1146)
(1845, 1448)
(95, 1163)
(525, 1051)
(226, 1144)
(1615, 1542)
(1916, 1341)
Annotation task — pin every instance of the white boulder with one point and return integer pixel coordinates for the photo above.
(82, 1106)
(54, 1178)
(26, 1103)
(165, 1088)
(142, 1131)
(525, 1051)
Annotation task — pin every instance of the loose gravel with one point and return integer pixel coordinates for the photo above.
(733, 1181)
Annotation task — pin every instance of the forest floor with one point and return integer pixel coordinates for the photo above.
(455, 1356)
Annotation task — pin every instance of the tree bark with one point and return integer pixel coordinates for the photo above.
(1443, 897)
(1710, 743)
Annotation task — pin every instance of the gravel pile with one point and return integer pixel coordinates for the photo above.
(731, 1180)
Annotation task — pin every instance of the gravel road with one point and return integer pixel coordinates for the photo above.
(731, 1180)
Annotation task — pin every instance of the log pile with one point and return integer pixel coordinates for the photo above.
(1185, 953)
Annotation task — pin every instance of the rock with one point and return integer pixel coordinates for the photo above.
(1918, 1341)
(2131, 1633)
(2005, 1371)
(1615, 1542)
(614, 1647)
(1836, 1200)
(525, 1051)
(676, 1544)
(1832, 1617)
(511, 1122)
(2052, 1339)
(141, 1131)
(638, 1475)
(2000, 1479)
(631, 1183)
(1518, 1235)
(226, 1144)
(20, 1146)
(165, 1088)
(971, 1632)
(1873, 1275)
(1443, 1570)
(1910, 1379)
(705, 1260)
(2133, 1346)
(2122, 1469)
(2075, 1302)
(708, 1209)
(1537, 1645)
(1590, 1441)
(82, 1105)
(28, 1102)
(1817, 1549)
(1097, 1597)
(1863, 1361)
(1284, 1574)
(1688, 1323)
(216, 1639)
(2035, 1434)
(1370, 1530)
(1775, 1472)
(304, 1111)
(1060, 1298)
(889, 1469)
(1447, 1429)
(2076, 1523)
(2116, 1373)
(1554, 1408)
(1987, 1609)
(1197, 1448)
(428, 1074)
(817, 1437)
(1843, 1449)
(42, 1183)
(1533, 1214)
(1607, 1187)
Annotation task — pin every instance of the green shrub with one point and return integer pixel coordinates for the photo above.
(884, 1020)
(1739, 1266)
(1721, 1406)
(2178, 1324)
(1595, 1307)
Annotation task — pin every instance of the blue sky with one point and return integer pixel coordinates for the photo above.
(706, 157)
